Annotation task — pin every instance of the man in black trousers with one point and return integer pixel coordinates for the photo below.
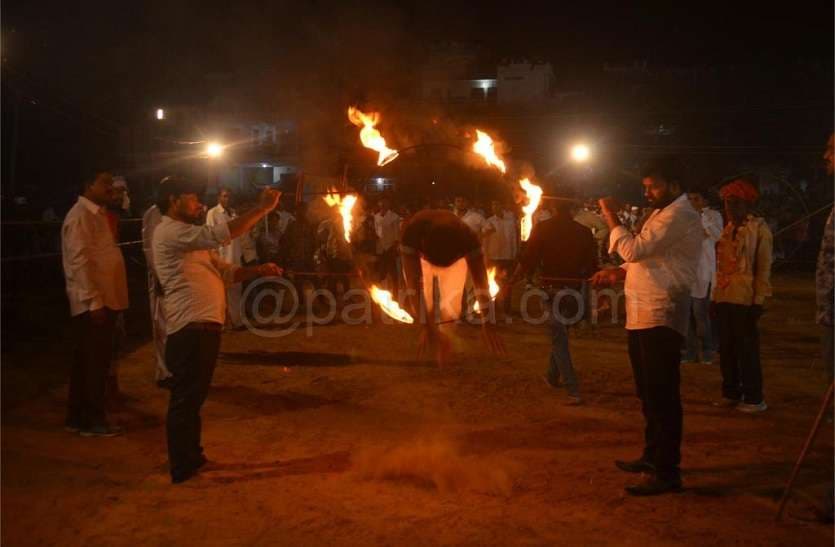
(194, 280)
(660, 268)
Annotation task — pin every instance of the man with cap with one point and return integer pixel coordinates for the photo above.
(743, 282)
(193, 278)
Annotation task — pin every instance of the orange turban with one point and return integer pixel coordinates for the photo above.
(739, 189)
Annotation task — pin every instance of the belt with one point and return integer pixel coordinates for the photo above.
(204, 325)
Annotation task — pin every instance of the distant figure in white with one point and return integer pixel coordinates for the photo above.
(231, 253)
(150, 221)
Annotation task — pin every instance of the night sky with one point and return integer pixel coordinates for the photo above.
(99, 65)
(92, 50)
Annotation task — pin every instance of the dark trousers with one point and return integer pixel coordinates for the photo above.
(91, 361)
(655, 358)
(739, 353)
(190, 354)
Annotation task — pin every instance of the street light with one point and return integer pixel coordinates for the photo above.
(160, 114)
(214, 150)
(580, 153)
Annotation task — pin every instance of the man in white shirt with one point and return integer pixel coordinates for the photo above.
(387, 228)
(699, 339)
(660, 268)
(193, 278)
(501, 243)
(472, 218)
(231, 253)
(150, 221)
(97, 288)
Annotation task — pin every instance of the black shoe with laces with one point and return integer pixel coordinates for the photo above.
(635, 466)
(654, 486)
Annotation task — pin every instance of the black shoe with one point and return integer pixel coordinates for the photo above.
(102, 431)
(636, 466)
(201, 461)
(178, 478)
(654, 487)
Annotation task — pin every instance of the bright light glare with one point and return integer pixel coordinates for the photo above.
(580, 152)
(160, 114)
(214, 149)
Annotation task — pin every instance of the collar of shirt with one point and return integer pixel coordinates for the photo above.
(92, 207)
(675, 203)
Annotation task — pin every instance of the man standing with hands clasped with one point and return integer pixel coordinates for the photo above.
(659, 270)
(193, 279)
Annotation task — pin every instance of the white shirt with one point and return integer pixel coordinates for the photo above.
(712, 224)
(232, 251)
(661, 264)
(501, 242)
(192, 274)
(94, 268)
(475, 221)
(284, 220)
(387, 228)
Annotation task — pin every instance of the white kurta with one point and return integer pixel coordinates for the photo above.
(150, 220)
(230, 253)
(712, 224)
(475, 221)
(450, 280)
(501, 242)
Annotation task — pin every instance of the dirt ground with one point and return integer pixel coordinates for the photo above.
(343, 438)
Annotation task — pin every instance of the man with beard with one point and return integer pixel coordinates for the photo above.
(660, 267)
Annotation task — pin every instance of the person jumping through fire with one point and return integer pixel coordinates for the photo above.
(436, 247)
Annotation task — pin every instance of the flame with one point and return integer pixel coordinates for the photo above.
(494, 287)
(370, 137)
(389, 305)
(484, 148)
(534, 195)
(346, 205)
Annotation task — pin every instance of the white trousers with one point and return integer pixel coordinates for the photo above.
(450, 286)
(233, 304)
(158, 329)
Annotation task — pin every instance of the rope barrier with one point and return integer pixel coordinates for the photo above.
(51, 222)
(52, 255)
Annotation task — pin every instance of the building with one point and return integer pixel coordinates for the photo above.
(250, 151)
(524, 82)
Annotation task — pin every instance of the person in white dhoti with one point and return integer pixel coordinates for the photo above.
(150, 221)
(231, 253)
(437, 250)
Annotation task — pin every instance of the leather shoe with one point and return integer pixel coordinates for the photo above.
(636, 466)
(654, 487)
